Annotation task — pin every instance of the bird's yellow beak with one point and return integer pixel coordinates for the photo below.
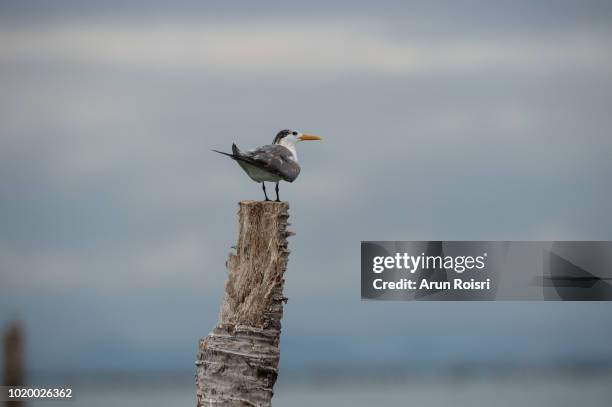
(304, 137)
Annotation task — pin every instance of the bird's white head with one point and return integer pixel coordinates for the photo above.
(289, 138)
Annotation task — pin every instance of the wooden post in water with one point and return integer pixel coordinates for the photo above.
(237, 363)
(14, 371)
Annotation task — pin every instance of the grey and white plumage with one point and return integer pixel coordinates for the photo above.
(273, 162)
(268, 163)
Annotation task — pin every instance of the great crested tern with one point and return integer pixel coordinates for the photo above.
(273, 162)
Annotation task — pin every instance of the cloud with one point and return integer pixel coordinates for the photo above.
(296, 48)
(175, 262)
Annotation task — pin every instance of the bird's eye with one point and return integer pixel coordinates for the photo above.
(294, 133)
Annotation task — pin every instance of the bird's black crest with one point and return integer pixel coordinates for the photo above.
(281, 134)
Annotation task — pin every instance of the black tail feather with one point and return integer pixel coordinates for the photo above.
(236, 155)
(235, 152)
(221, 152)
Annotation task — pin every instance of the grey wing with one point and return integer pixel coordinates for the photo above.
(275, 159)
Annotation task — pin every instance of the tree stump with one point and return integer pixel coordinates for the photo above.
(237, 363)
(14, 366)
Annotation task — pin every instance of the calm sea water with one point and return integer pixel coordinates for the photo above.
(515, 390)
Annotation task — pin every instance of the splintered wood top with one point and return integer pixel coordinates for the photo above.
(264, 203)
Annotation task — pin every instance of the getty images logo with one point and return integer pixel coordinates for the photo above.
(404, 261)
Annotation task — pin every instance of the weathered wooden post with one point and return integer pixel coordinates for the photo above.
(14, 371)
(237, 363)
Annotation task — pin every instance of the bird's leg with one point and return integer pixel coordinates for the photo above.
(263, 185)
(277, 199)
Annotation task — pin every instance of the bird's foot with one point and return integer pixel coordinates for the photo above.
(278, 200)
